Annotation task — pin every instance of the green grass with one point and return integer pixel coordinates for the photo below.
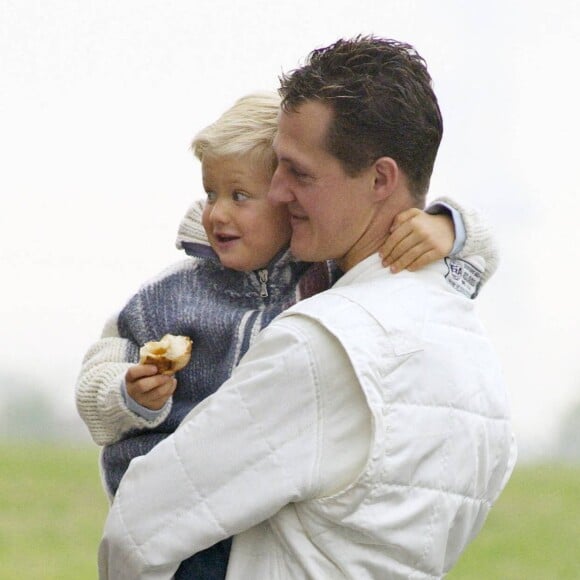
(533, 532)
(52, 510)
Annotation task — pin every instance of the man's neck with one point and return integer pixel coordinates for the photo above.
(376, 233)
(351, 259)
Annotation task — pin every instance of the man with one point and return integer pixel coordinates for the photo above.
(366, 433)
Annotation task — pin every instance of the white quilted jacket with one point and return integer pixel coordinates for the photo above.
(441, 449)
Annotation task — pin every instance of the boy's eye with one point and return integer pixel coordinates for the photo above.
(239, 196)
(211, 196)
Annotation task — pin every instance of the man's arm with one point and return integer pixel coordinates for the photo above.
(257, 444)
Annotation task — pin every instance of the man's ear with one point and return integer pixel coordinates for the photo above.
(387, 175)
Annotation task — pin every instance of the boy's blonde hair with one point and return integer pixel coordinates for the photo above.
(246, 128)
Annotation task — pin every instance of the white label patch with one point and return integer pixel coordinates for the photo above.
(463, 276)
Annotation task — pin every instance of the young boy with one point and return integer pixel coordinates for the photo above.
(238, 277)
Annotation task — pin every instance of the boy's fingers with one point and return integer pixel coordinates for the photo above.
(156, 398)
(423, 260)
(151, 383)
(141, 388)
(136, 372)
(404, 216)
(405, 246)
(405, 250)
(391, 249)
(163, 391)
(408, 258)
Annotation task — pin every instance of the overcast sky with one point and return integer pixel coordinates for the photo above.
(99, 101)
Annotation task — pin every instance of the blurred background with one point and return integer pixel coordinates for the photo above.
(99, 102)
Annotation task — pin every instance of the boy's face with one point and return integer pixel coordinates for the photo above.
(244, 228)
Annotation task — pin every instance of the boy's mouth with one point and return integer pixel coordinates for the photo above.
(223, 238)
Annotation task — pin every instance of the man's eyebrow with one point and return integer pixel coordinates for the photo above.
(287, 158)
(294, 164)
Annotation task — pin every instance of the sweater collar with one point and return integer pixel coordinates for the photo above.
(191, 236)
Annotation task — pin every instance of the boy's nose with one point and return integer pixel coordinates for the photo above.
(219, 212)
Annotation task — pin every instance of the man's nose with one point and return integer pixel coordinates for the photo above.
(279, 191)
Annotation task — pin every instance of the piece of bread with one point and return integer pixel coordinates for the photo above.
(169, 355)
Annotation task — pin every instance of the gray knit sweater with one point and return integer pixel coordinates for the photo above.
(220, 309)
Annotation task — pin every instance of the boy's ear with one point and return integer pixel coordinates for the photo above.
(386, 177)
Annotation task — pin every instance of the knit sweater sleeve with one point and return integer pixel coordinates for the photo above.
(98, 391)
(479, 240)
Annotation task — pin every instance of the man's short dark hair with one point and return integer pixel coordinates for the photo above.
(383, 105)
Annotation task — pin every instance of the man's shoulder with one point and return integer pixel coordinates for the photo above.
(381, 293)
(379, 303)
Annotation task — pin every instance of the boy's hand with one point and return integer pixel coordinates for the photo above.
(147, 387)
(416, 239)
